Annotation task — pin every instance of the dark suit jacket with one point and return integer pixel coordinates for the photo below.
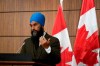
(40, 55)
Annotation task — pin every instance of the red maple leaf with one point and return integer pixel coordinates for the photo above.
(83, 47)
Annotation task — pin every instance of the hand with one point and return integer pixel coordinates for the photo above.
(43, 42)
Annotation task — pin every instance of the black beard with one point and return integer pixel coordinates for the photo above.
(36, 34)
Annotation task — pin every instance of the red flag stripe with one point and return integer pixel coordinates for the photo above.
(87, 6)
(60, 23)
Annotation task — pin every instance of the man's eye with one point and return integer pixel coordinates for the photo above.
(35, 24)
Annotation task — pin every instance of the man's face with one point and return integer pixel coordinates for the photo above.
(36, 29)
(35, 26)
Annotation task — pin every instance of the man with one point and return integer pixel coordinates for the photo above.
(43, 47)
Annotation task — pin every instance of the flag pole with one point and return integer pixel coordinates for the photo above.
(61, 3)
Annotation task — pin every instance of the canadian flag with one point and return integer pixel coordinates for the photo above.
(86, 47)
(60, 31)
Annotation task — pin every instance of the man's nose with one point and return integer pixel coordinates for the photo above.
(33, 28)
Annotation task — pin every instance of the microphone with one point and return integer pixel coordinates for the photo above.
(20, 47)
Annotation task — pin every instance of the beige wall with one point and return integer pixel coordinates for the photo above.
(15, 15)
